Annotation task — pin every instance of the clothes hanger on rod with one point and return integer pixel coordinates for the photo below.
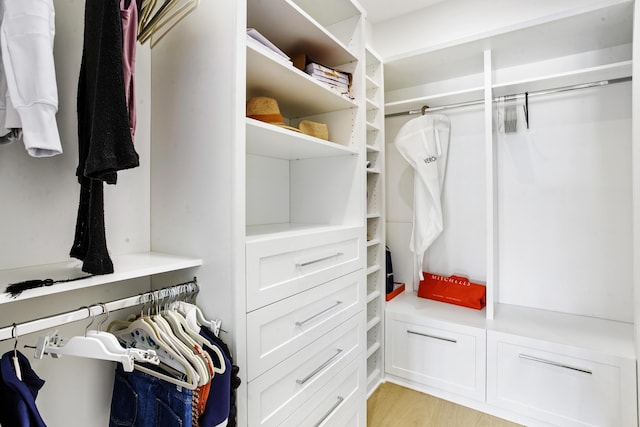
(14, 358)
(181, 328)
(93, 346)
(112, 344)
(182, 345)
(143, 333)
(190, 336)
(193, 315)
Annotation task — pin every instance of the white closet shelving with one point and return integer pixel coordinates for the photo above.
(374, 79)
(126, 267)
(574, 311)
(301, 312)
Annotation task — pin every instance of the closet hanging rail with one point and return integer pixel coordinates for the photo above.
(529, 94)
(187, 288)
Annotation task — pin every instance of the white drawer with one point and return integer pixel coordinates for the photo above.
(277, 331)
(559, 384)
(278, 268)
(277, 393)
(340, 404)
(446, 356)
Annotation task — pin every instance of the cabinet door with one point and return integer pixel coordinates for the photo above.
(279, 268)
(446, 356)
(559, 384)
(281, 329)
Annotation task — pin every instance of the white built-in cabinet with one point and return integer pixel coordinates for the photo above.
(272, 222)
(376, 268)
(304, 302)
(547, 218)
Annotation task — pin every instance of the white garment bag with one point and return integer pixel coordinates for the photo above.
(424, 143)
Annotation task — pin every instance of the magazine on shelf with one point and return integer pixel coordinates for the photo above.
(316, 70)
(262, 40)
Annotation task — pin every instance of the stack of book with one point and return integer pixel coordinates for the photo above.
(336, 80)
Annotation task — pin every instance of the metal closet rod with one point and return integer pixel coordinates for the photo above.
(9, 332)
(530, 94)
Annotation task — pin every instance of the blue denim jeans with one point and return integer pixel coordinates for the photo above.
(141, 400)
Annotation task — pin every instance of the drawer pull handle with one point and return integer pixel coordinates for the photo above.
(301, 323)
(433, 336)
(304, 264)
(558, 364)
(319, 368)
(330, 411)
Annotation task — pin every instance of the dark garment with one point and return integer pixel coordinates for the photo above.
(216, 411)
(229, 384)
(142, 400)
(18, 398)
(104, 138)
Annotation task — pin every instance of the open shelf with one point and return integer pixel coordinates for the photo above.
(372, 348)
(257, 233)
(298, 94)
(595, 37)
(373, 295)
(600, 335)
(409, 304)
(272, 141)
(294, 30)
(578, 77)
(126, 267)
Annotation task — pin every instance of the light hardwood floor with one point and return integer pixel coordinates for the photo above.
(392, 405)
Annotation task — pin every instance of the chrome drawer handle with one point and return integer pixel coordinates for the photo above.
(330, 411)
(558, 364)
(304, 264)
(319, 368)
(301, 323)
(433, 336)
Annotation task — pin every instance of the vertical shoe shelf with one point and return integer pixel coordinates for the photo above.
(375, 219)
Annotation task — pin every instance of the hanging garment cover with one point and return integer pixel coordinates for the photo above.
(29, 84)
(424, 143)
(104, 136)
(18, 398)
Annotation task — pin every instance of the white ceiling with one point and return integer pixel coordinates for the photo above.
(381, 10)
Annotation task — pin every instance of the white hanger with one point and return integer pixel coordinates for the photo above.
(179, 323)
(141, 334)
(184, 346)
(93, 345)
(167, 333)
(93, 348)
(195, 318)
(14, 358)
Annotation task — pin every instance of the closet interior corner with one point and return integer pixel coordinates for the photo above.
(252, 227)
(537, 205)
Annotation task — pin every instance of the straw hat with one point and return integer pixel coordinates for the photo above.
(266, 110)
(319, 130)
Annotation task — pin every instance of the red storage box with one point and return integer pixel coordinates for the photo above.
(453, 290)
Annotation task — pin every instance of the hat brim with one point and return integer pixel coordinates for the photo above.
(282, 125)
